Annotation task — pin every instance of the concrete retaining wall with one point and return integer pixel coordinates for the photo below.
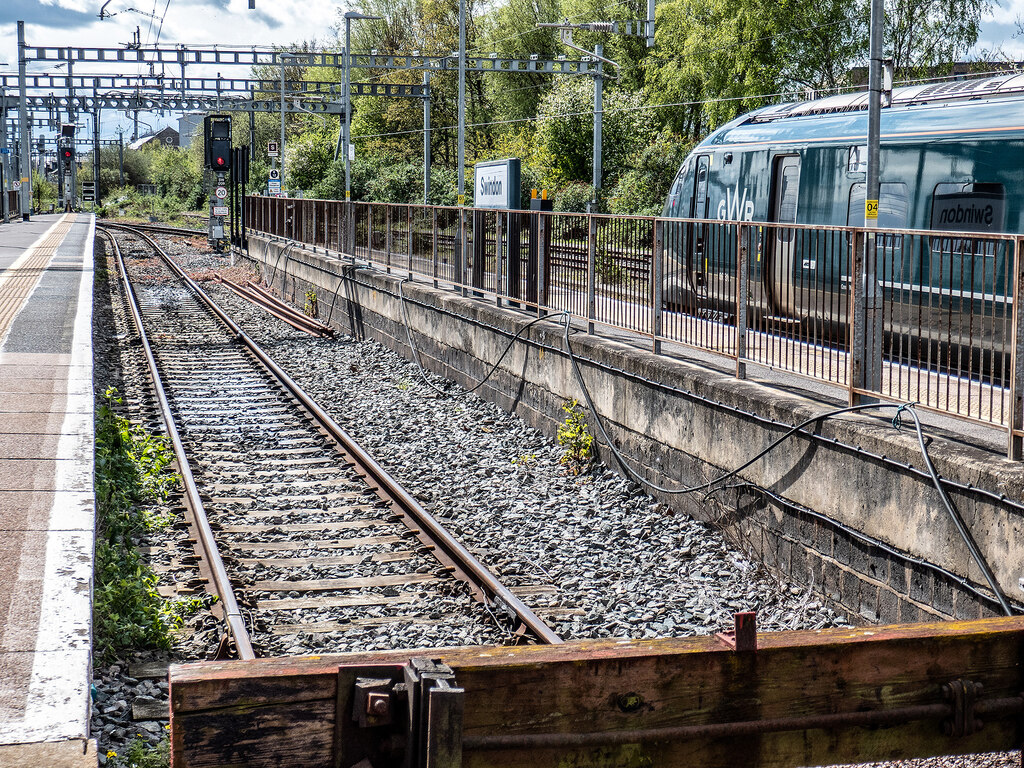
(849, 511)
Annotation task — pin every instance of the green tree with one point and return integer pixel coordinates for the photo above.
(177, 174)
(308, 156)
(643, 188)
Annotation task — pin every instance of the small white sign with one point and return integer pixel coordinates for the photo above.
(15, 184)
(275, 174)
(351, 152)
(220, 210)
(221, 192)
(272, 149)
(275, 186)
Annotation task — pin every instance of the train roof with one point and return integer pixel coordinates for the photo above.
(942, 108)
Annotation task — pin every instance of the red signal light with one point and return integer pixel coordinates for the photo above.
(220, 161)
(67, 153)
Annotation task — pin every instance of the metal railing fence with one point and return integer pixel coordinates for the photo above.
(901, 315)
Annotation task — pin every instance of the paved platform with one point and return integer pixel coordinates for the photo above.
(47, 509)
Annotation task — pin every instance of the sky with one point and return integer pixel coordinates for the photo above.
(231, 23)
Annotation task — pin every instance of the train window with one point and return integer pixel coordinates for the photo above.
(968, 207)
(857, 161)
(790, 185)
(700, 189)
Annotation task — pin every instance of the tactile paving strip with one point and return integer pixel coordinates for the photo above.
(20, 279)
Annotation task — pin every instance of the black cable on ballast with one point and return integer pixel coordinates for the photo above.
(954, 513)
(860, 536)
(416, 354)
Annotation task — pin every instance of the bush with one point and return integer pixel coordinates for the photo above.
(643, 189)
(573, 198)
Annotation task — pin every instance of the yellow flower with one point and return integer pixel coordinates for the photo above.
(111, 753)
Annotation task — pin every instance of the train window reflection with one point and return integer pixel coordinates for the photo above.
(968, 207)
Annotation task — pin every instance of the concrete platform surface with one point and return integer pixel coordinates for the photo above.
(47, 508)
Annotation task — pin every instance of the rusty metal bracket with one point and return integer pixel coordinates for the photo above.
(962, 696)
(398, 716)
(743, 638)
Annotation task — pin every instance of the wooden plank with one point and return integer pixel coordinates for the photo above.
(302, 562)
(324, 627)
(149, 670)
(148, 708)
(350, 486)
(353, 582)
(284, 546)
(315, 511)
(338, 524)
(610, 686)
(337, 601)
(302, 734)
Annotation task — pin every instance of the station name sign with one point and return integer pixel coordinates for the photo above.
(496, 184)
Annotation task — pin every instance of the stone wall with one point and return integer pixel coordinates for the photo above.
(849, 510)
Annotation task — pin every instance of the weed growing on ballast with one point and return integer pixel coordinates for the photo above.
(311, 308)
(575, 438)
(140, 754)
(131, 470)
(524, 460)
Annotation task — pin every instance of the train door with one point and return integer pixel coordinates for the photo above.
(699, 231)
(782, 240)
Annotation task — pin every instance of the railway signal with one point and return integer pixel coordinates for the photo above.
(217, 152)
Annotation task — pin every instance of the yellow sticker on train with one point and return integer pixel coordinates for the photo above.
(870, 209)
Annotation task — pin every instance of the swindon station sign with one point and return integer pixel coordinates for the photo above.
(496, 184)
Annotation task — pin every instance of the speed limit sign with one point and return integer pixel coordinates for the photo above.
(221, 192)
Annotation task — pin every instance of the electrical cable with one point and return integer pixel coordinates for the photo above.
(862, 537)
(416, 354)
(995, 498)
(900, 409)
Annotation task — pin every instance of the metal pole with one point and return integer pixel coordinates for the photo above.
(5, 166)
(348, 109)
(598, 115)
(96, 143)
(426, 139)
(872, 361)
(26, 148)
(120, 158)
(281, 145)
(71, 196)
(462, 107)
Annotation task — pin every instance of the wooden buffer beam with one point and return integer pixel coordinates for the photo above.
(772, 699)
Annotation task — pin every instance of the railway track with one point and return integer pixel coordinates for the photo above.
(299, 531)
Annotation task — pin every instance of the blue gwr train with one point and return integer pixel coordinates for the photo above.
(951, 161)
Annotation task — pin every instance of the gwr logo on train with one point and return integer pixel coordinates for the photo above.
(736, 207)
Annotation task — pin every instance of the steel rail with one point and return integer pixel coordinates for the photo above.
(232, 614)
(452, 552)
(271, 304)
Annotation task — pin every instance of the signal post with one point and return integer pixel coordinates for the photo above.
(217, 150)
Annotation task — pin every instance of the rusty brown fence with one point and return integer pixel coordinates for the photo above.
(901, 315)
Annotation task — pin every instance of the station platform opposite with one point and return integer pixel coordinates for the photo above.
(47, 506)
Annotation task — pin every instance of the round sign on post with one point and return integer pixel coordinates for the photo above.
(221, 192)
(275, 174)
(15, 185)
